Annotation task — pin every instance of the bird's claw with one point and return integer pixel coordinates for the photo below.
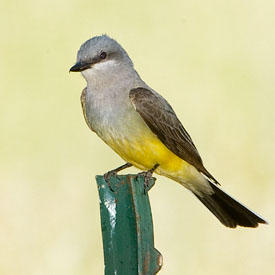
(147, 177)
(107, 176)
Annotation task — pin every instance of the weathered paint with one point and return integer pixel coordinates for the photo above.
(127, 227)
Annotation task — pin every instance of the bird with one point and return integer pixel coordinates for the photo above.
(143, 129)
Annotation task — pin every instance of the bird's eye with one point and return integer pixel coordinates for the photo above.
(103, 55)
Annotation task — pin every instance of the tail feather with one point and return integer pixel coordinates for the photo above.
(230, 212)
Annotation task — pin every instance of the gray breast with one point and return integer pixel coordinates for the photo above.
(108, 113)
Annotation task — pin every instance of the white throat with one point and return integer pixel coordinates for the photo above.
(105, 65)
(100, 68)
(107, 73)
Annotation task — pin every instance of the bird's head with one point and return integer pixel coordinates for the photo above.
(100, 55)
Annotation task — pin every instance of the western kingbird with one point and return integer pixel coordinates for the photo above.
(141, 126)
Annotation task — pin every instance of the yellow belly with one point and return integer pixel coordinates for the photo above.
(145, 152)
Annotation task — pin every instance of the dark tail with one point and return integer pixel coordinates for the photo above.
(230, 212)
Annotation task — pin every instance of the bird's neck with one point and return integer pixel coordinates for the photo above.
(108, 76)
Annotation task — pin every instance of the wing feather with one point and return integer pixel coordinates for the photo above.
(162, 120)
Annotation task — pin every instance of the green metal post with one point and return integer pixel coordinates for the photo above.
(127, 228)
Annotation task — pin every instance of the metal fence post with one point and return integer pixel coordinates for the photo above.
(127, 228)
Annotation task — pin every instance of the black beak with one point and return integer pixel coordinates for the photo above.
(79, 67)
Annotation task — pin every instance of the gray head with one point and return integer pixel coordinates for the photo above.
(101, 52)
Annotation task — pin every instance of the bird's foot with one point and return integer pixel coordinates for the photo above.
(147, 176)
(107, 176)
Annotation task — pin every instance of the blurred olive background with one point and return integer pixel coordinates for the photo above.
(215, 63)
